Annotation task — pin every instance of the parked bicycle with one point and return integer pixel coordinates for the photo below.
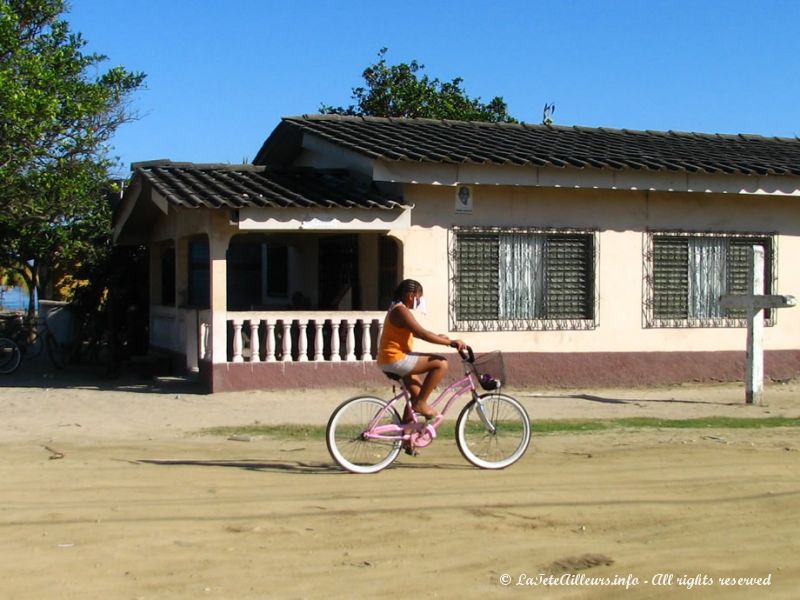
(19, 340)
(86, 342)
(365, 434)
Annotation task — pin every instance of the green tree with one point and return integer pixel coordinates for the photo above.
(402, 91)
(58, 111)
(69, 234)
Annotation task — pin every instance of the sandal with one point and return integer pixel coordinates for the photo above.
(409, 449)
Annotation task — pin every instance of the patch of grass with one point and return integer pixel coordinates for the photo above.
(447, 430)
(560, 426)
(286, 431)
(710, 422)
(571, 425)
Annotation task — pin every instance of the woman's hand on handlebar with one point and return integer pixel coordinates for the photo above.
(458, 345)
(464, 351)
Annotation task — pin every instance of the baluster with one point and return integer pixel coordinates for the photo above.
(318, 343)
(335, 357)
(204, 341)
(255, 346)
(286, 342)
(237, 342)
(366, 349)
(302, 342)
(270, 342)
(350, 346)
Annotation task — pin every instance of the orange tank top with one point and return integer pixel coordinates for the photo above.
(396, 342)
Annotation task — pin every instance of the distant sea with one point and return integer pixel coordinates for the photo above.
(14, 298)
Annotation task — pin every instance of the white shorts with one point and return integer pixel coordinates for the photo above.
(401, 367)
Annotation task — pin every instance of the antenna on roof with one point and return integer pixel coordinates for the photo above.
(547, 114)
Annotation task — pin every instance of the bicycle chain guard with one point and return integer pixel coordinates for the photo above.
(420, 439)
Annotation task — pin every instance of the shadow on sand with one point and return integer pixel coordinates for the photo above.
(130, 377)
(291, 467)
(639, 401)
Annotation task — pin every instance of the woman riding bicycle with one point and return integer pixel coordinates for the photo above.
(395, 354)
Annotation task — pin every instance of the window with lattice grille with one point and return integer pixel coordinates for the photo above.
(689, 272)
(520, 279)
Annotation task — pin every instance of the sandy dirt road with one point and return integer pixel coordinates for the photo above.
(138, 507)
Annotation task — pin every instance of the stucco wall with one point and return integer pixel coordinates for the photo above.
(622, 219)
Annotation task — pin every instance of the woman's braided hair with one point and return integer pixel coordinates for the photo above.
(407, 286)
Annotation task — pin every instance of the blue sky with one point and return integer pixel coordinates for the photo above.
(221, 74)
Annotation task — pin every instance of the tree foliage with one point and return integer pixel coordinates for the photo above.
(58, 111)
(402, 91)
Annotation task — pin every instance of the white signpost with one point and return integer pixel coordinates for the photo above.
(754, 303)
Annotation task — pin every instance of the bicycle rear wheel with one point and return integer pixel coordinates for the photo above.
(347, 443)
(493, 432)
(10, 356)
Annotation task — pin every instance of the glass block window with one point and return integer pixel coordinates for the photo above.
(687, 273)
(521, 279)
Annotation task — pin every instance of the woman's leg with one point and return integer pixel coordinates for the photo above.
(436, 368)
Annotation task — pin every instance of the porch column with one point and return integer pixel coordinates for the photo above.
(218, 241)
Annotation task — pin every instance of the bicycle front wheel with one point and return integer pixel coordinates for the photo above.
(10, 356)
(347, 440)
(493, 432)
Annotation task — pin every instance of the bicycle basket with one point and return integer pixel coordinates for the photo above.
(490, 370)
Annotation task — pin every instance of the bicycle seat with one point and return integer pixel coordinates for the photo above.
(393, 376)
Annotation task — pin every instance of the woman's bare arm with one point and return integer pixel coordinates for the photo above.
(402, 317)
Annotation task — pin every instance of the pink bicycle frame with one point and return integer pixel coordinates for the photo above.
(404, 432)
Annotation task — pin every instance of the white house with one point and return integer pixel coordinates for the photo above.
(588, 256)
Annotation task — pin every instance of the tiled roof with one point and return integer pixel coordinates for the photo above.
(426, 140)
(214, 186)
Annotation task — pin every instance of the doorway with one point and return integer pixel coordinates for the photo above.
(339, 285)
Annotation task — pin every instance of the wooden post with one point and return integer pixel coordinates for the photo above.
(754, 302)
(754, 368)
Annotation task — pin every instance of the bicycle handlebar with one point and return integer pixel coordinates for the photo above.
(469, 356)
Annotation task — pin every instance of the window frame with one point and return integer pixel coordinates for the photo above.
(527, 324)
(649, 319)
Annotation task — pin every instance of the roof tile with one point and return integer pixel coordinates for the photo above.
(196, 185)
(430, 140)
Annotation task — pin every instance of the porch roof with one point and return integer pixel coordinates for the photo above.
(192, 185)
(458, 142)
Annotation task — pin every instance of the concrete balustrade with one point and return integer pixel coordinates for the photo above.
(299, 337)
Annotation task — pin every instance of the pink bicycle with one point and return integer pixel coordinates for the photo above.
(365, 434)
